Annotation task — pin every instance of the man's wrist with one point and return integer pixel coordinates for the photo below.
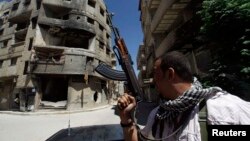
(127, 123)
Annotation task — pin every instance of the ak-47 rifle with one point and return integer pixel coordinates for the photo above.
(126, 63)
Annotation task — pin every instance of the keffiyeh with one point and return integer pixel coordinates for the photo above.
(170, 109)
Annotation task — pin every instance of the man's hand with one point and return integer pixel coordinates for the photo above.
(126, 103)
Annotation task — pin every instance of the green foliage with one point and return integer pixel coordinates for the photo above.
(225, 19)
(245, 52)
(227, 23)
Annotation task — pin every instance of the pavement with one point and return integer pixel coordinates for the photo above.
(93, 125)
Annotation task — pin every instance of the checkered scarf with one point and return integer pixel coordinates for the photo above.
(170, 109)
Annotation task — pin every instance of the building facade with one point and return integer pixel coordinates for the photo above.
(48, 52)
(169, 25)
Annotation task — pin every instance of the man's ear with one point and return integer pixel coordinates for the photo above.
(171, 73)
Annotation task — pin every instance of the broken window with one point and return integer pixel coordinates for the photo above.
(1, 87)
(26, 66)
(65, 17)
(20, 37)
(90, 20)
(56, 12)
(107, 36)
(38, 4)
(26, 2)
(21, 26)
(76, 41)
(101, 27)
(1, 32)
(1, 63)
(34, 22)
(13, 61)
(48, 55)
(89, 64)
(101, 11)
(4, 43)
(95, 96)
(91, 3)
(107, 21)
(11, 24)
(15, 6)
(30, 43)
(108, 45)
(67, 38)
(101, 45)
(4, 17)
(21, 32)
(6, 13)
(1, 22)
(108, 51)
(113, 55)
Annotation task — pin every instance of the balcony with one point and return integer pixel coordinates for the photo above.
(21, 15)
(67, 24)
(154, 3)
(54, 55)
(18, 44)
(63, 3)
(167, 14)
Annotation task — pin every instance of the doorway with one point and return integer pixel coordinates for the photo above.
(54, 91)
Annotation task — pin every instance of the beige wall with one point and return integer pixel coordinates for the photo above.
(81, 95)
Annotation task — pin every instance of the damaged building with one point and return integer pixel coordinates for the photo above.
(48, 53)
(169, 25)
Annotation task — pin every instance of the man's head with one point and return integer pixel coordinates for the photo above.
(172, 73)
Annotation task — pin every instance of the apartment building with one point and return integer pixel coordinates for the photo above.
(169, 25)
(48, 52)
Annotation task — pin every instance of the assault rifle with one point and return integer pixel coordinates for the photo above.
(124, 59)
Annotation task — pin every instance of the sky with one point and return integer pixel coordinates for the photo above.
(127, 19)
(4, 0)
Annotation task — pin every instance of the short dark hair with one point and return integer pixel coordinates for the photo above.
(179, 63)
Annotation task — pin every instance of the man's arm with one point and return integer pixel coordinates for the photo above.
(126, 105)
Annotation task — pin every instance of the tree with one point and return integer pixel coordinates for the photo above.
(227, 23)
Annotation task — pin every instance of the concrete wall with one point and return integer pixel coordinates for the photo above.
(84, 96)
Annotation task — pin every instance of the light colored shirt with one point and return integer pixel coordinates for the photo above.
(222, 109)
(227, 109)
(191, 132)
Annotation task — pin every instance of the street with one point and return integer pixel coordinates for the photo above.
(41, 127)
(100, 124)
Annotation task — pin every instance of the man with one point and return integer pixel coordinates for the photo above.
(177, 116)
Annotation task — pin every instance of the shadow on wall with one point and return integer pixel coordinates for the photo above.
(111, 132)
